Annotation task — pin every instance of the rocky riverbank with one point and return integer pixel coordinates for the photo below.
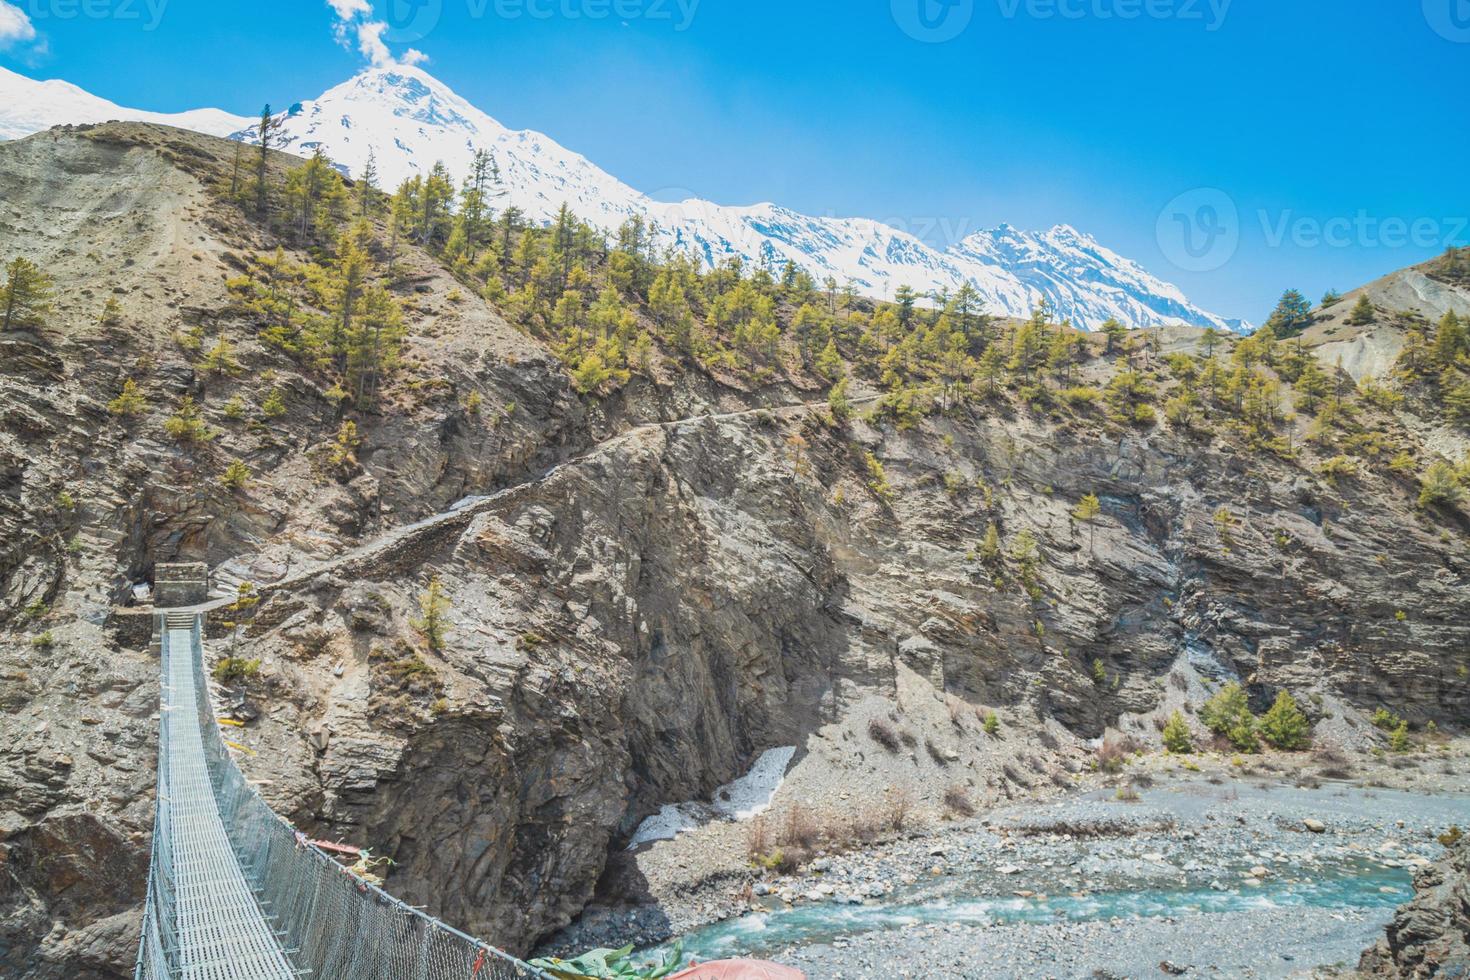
(1431, 935)
(1202, 871)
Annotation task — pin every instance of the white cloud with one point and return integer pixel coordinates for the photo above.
(15, 26)
(370, 42)
(350, 9)
(354, 22)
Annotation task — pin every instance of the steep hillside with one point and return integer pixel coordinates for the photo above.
(407, 121)
(688, 516)
(1369, 349)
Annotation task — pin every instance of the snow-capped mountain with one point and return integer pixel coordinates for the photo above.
(28, 106)
(408, 121)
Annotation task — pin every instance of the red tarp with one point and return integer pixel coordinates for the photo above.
(740, 970)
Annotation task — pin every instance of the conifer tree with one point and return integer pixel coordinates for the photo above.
(1451, 339)
(265, 133)
(1087, 510)
(25, 299)
(904, 299)
(366, 190)
(1312, 384)
(1362, 313)
(1292, 315)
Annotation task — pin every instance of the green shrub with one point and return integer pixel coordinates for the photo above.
(1228, 713)
(1440, 487)
(434, 605)
(236, 476)
(1398, 739)
(187, 425)
(992, 724)
(130, 403)
(1386, 720)
(1177, 739)
(232, 669)
(1284, 726)
(274, 405)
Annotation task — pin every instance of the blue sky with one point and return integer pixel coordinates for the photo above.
(1296, 142)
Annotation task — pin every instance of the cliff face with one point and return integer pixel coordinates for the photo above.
(1429, 937)
(654, 589)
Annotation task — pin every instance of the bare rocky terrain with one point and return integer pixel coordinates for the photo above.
(656, 586)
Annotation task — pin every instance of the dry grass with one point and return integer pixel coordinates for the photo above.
(1112, 755)
(790, 840)
(884, 734)
(957, 800)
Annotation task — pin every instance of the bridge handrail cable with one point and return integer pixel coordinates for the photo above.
(330, 923)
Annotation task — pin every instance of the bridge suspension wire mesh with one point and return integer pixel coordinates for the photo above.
(237, 893)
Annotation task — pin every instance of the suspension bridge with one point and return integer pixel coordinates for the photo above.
(236, 893)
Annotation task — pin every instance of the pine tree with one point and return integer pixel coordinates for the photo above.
(1177, 739)
(1208, 341)
(366, 189)
(374, 346)
(1363, 312)
(1087, 510)
(1312, 384)
(1028, 347)
(401, 218)
(130, 403)
(315, 197)
(1115, 333)
(1451, 339)
(25, 299)
(1228, 713)
(1292, 315)
(1440, 487)
(434, 606)
(236, 476)
(829, 362)
(262, 167)
(345, 291)
(990, 546)
(1284, 726)
(837, 402)
(435, 196)
(992, 364)
(904, 299)
(969, 314)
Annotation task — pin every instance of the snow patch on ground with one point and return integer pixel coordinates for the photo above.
(740, 799)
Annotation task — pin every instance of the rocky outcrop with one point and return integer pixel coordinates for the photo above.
(1429, 937)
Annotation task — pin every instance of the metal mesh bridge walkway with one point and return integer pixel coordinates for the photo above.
(236, 893)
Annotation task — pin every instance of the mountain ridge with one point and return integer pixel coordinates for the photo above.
(413, 120)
